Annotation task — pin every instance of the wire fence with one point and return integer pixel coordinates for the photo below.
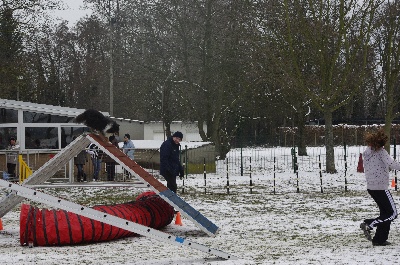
(280, 170)
(262, 159)
(245, 169)
(239, 161)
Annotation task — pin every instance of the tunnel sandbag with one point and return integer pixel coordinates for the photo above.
(47, 227)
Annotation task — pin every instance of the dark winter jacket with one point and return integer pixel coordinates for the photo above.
(106, 157)
(81, 158)
(169, 158)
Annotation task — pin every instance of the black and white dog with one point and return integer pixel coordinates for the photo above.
(97, 121)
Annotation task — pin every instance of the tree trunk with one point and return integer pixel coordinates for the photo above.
(387, 128)
(330, 153)
(221, 150)
(300, 141)
(200, 125)
(166, 111)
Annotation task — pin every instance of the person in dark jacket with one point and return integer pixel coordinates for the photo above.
(110, 163)
(79, 162)
(170, 166)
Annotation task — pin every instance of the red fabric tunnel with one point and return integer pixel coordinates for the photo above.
(45, 227)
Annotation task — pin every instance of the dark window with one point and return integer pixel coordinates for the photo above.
(68, 133)
(8, 116)
(33, 117)
(41, 138)
(5, 134)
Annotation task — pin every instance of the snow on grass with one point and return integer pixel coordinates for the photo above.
(288, 227)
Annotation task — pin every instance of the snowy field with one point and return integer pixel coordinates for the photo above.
(258, 225)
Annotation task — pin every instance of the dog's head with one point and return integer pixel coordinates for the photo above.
(113, 128)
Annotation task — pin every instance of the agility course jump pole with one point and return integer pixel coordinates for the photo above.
(109, 219)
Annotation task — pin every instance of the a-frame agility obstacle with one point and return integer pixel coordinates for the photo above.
(45, 172)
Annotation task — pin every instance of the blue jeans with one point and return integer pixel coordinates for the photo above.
(96, 168)
(81, 174)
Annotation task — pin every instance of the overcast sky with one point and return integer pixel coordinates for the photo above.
(73, 13)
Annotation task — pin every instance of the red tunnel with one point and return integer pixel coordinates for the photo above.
(45, 227)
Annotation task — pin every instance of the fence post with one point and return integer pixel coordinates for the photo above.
(395, 172)
(241, 161)
(183, 179)
(297, 175)
(320, 171)
(345, 168)
(251, 181)
(227, 177)
(205, 176)
(186, 160)
(295, 167)
(274, 173)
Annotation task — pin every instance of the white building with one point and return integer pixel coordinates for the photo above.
(40, 126)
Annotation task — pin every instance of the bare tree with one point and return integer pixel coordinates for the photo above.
(211, 45)
(388, 56)
(331, 39)
(10, 53)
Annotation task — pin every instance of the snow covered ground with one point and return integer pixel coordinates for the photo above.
(259, 227)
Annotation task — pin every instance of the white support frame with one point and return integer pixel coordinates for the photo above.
(62, 158)
(110, 219)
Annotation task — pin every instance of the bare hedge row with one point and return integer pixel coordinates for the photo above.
(342, 133)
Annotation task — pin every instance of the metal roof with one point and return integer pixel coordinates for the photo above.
(41, 108)
(57, 110)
